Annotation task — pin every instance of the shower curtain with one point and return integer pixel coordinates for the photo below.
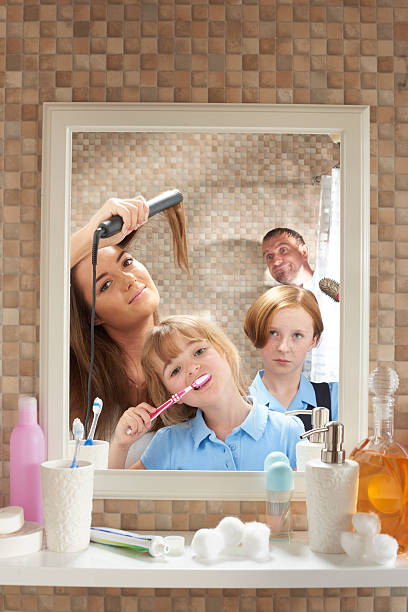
(325, 358)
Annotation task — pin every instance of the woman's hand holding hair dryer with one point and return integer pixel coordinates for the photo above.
(134, 212)
(137, 420)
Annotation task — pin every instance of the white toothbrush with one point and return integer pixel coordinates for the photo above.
(78, 433)
(97, 409)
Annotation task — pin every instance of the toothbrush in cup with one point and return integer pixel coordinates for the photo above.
(97, 409)
(196, 384)
(78, 433)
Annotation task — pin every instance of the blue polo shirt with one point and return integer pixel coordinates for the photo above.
(193, 446)
(304, 397)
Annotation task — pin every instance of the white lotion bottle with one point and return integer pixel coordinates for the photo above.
(331, 491)
(311, 448)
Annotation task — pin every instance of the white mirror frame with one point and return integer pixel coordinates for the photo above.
(60, 121)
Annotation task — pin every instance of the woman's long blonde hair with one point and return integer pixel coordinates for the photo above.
(110, 380)
(259, 316)
(163, 344)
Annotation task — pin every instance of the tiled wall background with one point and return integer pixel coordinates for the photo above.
(254, 51)
(235, 186)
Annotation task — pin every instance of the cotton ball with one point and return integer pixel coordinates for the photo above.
(231, 530)
(255, 541)
(353, 545)
(382, 548)
(366, 523)
(207, 543)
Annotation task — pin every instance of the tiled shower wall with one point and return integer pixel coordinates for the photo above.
(235, 188)
(254, 51)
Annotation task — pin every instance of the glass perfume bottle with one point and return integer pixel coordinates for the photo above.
(383, 478)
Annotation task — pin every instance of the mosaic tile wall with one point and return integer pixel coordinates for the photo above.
(254, 51)
(235, 186)
(65, 599)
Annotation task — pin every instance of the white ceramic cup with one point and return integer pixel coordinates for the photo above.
(67, 504)
(97, 453)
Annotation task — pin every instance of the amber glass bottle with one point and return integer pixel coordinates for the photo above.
(383, 478)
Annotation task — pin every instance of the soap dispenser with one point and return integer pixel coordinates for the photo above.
(331, 491)
(311, 447)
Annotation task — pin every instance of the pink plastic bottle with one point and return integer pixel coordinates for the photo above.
(27, 452)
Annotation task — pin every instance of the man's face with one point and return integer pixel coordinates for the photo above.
(285, 259)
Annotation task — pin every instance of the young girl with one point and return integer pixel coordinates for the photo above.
(284, 324)
(216, 428)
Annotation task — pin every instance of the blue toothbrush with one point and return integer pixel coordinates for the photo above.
(97, 409)
(78, 433)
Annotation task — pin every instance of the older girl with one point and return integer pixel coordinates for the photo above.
(284, 324)
(217, 427)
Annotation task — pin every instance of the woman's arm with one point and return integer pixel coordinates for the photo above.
(117, 456)
(134, 212)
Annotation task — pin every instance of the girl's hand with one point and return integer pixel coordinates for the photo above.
(134, 212)
(135, 419)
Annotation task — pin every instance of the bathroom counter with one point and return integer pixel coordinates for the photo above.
(290, 566)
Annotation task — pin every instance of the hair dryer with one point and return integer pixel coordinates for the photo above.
(165, 200)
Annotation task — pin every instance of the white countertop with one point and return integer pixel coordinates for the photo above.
(290, 566)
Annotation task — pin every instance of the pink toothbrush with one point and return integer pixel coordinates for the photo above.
(196, 384)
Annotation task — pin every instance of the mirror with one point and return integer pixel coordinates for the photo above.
(80, 143)
(236, 187)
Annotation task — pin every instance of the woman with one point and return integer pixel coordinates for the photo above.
(125, 312)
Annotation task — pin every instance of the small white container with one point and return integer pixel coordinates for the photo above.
(331, 493)
(311, 447)
(28, 539)
(97, 452)
(279, 487)
(175, 544)
(11, 519)
(306, 451)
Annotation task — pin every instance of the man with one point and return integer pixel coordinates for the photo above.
(286, 256)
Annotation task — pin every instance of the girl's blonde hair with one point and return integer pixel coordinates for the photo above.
(259, 316)
(163, 343)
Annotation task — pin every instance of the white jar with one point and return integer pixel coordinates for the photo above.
(311, 447)
(331, 498)
(331, 492)
(306, 451)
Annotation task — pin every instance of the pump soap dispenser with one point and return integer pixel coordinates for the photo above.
(311, 448)
(331, 491)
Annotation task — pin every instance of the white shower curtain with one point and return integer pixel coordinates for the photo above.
(325, 358)
(328, 242)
